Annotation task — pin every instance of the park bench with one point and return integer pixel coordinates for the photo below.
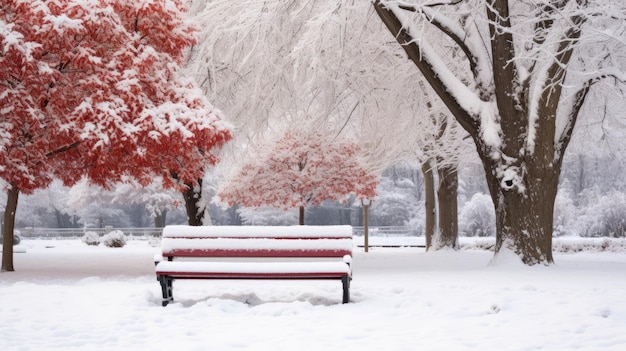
(260, 252)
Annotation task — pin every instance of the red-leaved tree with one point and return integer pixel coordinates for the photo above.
(91, 88)
(298, 170)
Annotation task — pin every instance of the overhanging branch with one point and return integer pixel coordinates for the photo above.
(579, 100)
(413, 51)
(455, 34)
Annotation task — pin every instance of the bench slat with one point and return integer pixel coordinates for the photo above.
(256, 253)
(238, 247)
(180, 269)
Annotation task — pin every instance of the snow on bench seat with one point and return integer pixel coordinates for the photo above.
(252, 247)
(294, 232)
(300, 244)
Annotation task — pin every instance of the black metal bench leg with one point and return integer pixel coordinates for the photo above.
(166, 289)
(346, 289)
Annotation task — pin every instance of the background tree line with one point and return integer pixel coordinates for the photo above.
(591, 202)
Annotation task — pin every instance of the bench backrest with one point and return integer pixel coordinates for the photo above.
(257, 241)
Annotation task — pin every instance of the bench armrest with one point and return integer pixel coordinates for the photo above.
(347, 259)
(158, 257)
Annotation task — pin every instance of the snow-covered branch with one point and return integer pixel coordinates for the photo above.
(462, 102)
(466, 39)
(579, 99)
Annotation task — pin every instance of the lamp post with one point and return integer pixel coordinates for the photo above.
(366, 205)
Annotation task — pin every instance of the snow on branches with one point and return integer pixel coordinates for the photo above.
(92, 87)
(518, 79)
(300, 169)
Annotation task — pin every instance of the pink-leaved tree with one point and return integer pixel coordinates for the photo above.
(91, 88)
(300, 169)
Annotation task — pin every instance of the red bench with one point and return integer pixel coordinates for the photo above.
(294, 252)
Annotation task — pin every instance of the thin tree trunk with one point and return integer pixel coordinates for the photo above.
(159, 219)
(301, 216)
(195, 209)
(61, 219)
(429, 203)
(8, 226)
(448, 233)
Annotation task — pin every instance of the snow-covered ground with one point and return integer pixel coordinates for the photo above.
(65, 295)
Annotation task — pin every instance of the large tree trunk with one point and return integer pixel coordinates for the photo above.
(524, 219)
(193, 204)
(524, 165)
(448, 233)
(7, 230)
(429, 203)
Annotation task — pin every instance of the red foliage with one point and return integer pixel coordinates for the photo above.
(91, 88)
(300, 170)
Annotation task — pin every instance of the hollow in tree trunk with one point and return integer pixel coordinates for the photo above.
(524, 219)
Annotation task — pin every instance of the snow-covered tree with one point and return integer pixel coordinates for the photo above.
(395, 204)
(266, 215)
(300, 169)
(527, 68)
(94, 206)
(92, 88)
(278, 62)
(477, 217)
(156, 200)
(603, 215)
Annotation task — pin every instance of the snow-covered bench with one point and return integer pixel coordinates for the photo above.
(289, 252)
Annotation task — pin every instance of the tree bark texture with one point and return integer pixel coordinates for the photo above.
(429, 203)
(524, 219)
(193, 205)
(448, 223)
(7, 229)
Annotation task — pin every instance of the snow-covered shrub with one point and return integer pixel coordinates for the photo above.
(17, 237)
(604, 217)
(154, 241)
(478, 217)
(115, 238)
(564, 213)
(390, 209)
(417, 224)
(395, 204)
(91, 238)
(576, 244)
(266, 215)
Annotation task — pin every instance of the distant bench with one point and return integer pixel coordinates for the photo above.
(301, 252)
